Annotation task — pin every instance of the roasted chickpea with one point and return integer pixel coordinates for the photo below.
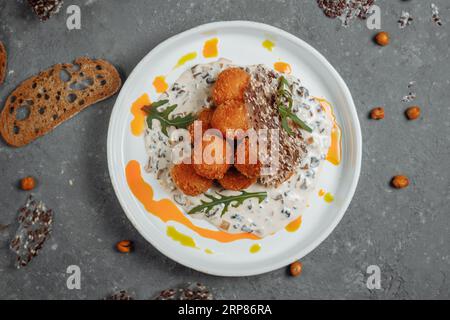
(27, 183)
(377, 113)
(413, 113)
(382, 38)
(400, 182)
(296, 268)
(124, 246)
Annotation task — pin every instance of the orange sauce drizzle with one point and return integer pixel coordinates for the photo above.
(294, 225)
(138, 122)
(335, 151)
(166, 210)
(160, 84)
(210, 48)
(282, 67)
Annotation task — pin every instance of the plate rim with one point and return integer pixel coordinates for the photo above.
(354, 119)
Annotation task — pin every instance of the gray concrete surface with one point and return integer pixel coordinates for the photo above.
(405, 232)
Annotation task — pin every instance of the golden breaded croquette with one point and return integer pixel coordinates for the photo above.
(246, 160)
(205, 117)
(214, 158)
(234, 180)
(230, 115)
(230, 85)
(189, 182)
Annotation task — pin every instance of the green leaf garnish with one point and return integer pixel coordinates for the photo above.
(163, 116)
(234, 201)
(285, 95)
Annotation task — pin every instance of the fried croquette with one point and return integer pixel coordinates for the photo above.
(205, 118)
(231, 115)
(230, 85)
(214, 158)
(234, 180)
(246, 160)
(189, 182)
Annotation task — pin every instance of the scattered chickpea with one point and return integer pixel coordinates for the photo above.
(27, 183)
(413, 113)
(382, 38)
(377, 113)
(400, 182)
(296, 268)
(124, 246)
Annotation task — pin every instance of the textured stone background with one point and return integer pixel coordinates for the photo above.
(405, 232)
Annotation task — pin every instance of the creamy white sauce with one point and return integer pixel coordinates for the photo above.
(191, 92)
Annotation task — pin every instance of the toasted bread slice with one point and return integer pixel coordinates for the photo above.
(44, 101)
(260, 98)
(3, 60)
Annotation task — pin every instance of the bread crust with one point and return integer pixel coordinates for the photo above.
(54, 96)
(3, 62)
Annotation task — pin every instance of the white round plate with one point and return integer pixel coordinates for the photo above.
(241, 42)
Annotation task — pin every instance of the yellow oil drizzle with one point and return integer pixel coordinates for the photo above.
(321, 193)
(255, 248)
(187, 57)
(180, 237)
(269, 45)
(210, 48)
(138, 122)
(294, 225)
(160, 84)
(282, 67)
(209, 251)
(328, 198)
(335, 151)
(166, 210)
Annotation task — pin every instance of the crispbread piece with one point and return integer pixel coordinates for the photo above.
(44, 101)
(44, 9)
(35, 226)
(3, 60)
(260, 98)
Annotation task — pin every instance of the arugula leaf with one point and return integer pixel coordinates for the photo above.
(163, 116)
(234, 201)
(286, 111)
